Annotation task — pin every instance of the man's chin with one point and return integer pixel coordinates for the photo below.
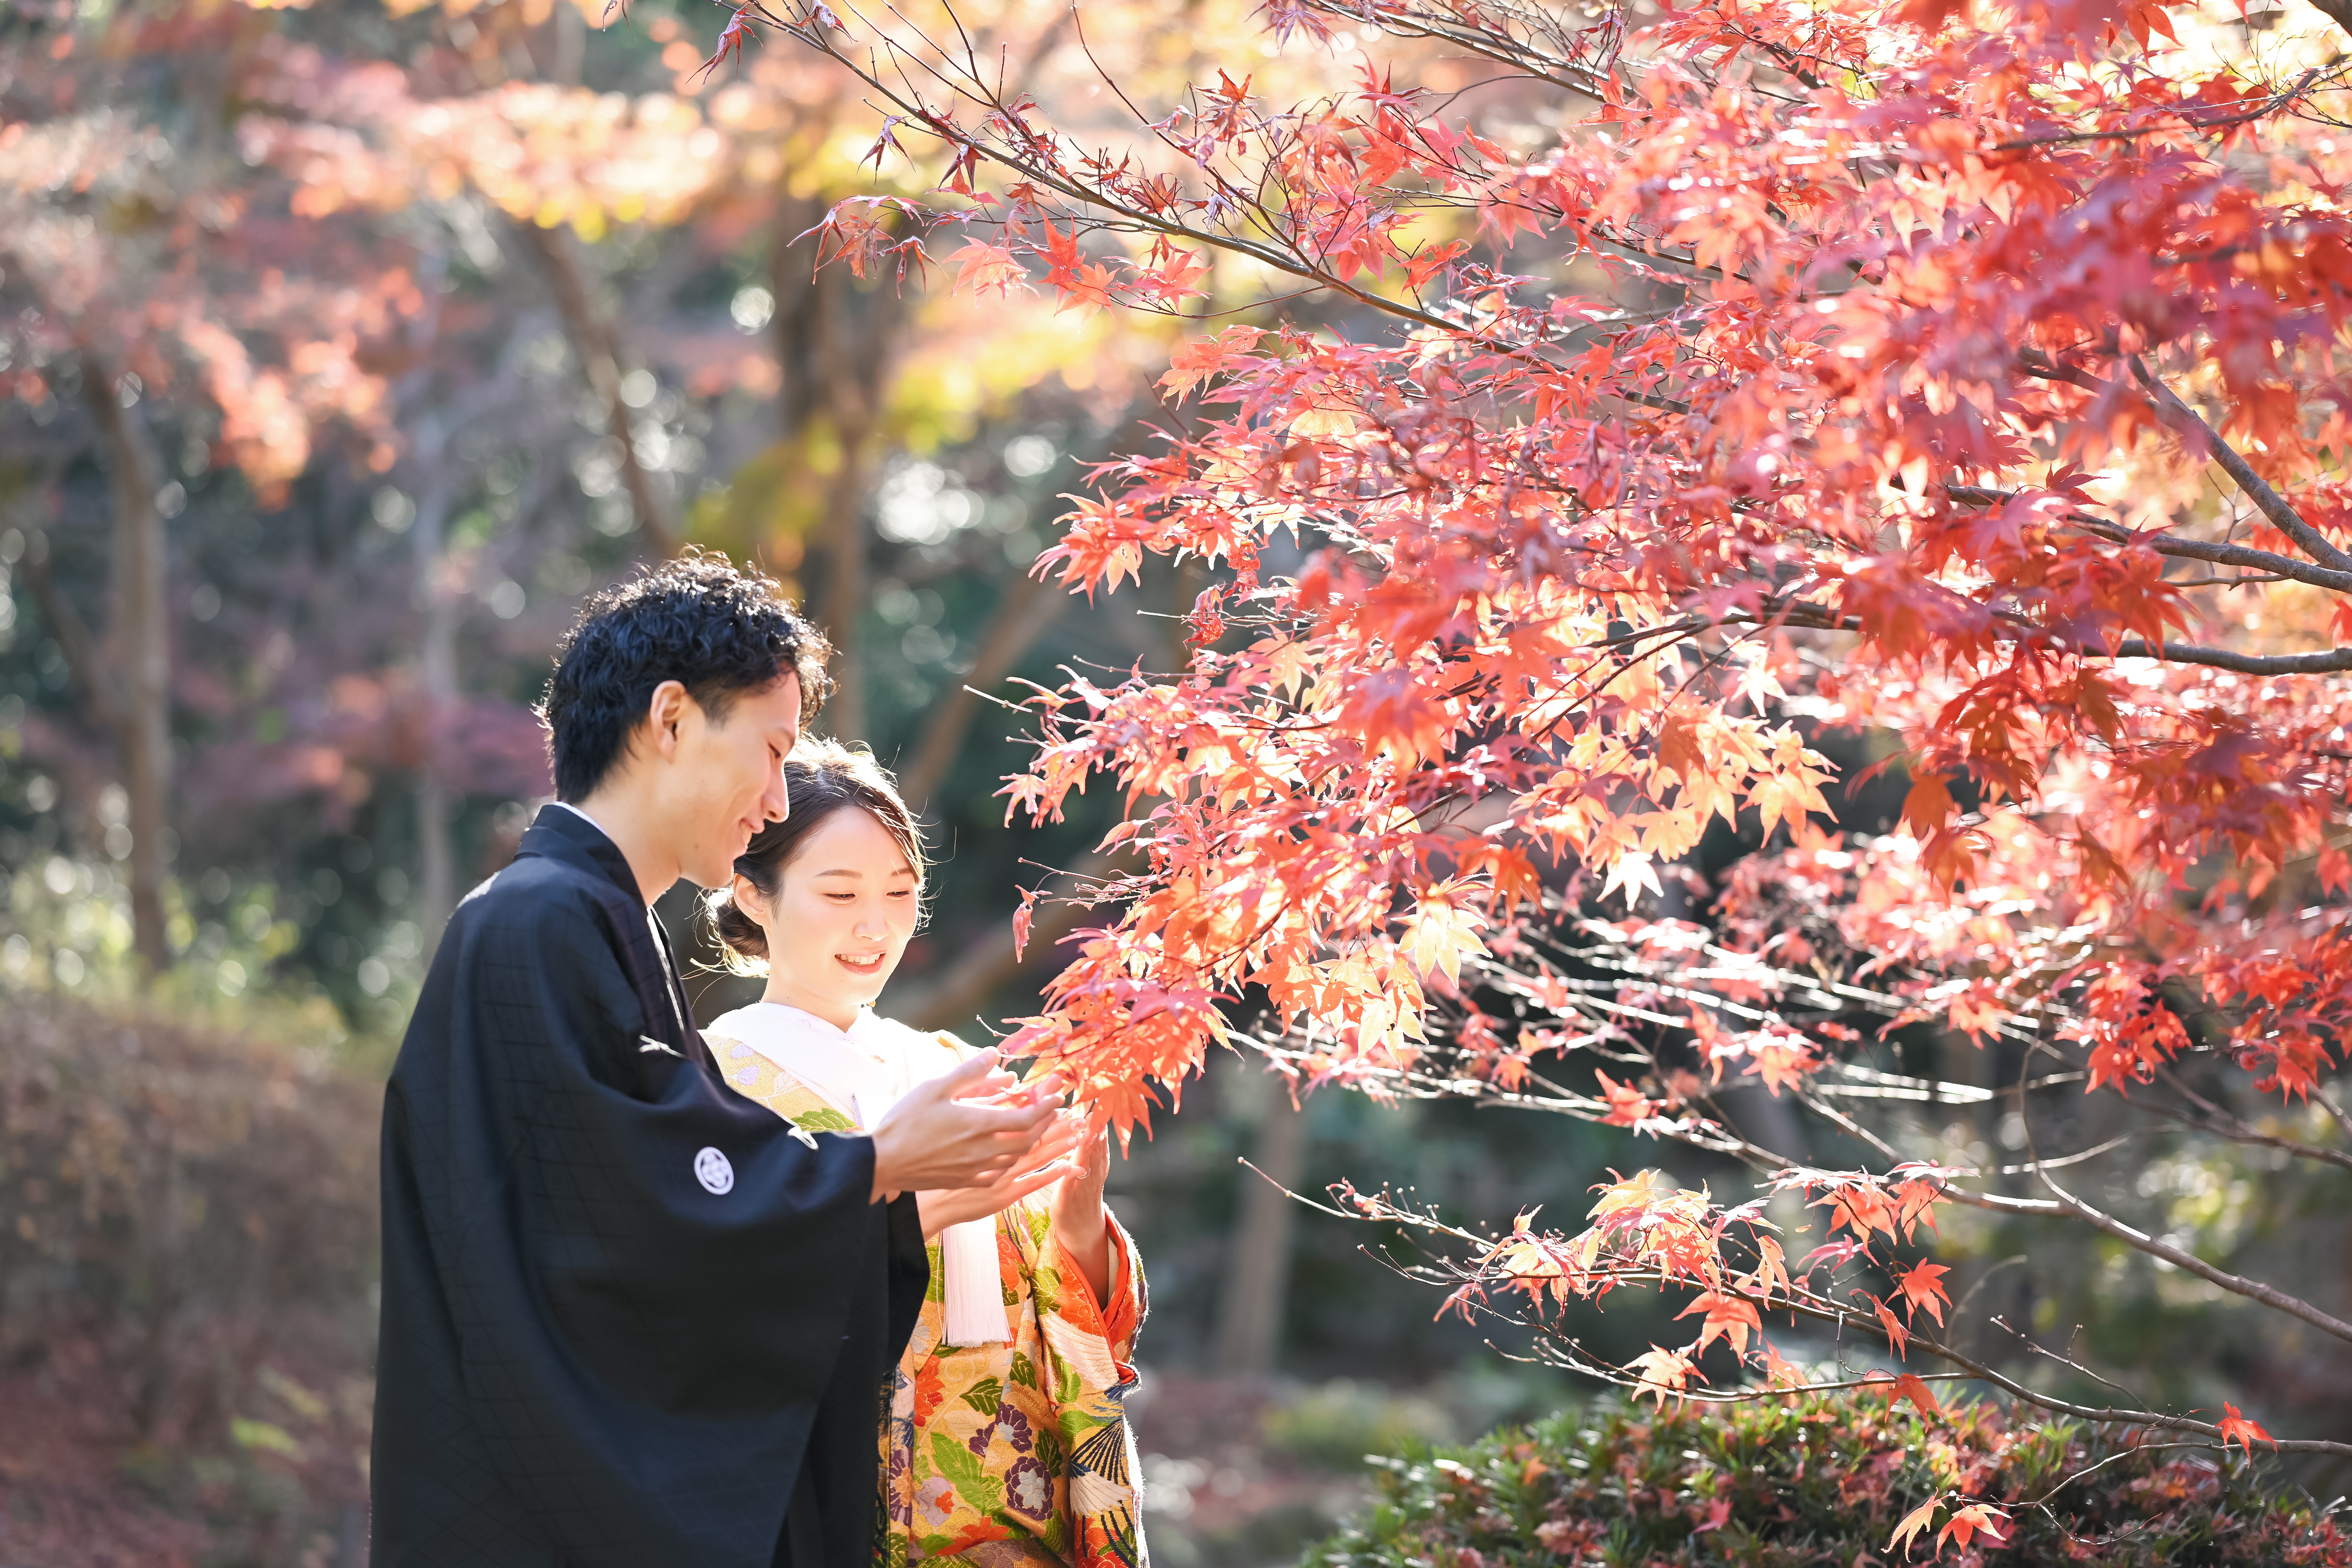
(715, 874)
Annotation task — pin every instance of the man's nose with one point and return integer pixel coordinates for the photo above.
(778, 801)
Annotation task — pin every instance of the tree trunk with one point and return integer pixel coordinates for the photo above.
(142, 637)
(845, 714)
(593, 340)
(1258, 1270)
(833, 344)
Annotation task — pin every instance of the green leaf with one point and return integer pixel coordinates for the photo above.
(1045, 1284)
(964, 1472)
(1075, 1424)
(824, 1119)
(1024, 1371)
(985, 1395)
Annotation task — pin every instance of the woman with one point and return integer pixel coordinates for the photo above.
(1004, 1444)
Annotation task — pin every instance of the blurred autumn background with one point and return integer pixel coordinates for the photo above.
(342, 348)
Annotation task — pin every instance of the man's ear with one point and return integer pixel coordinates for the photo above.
(665, 711)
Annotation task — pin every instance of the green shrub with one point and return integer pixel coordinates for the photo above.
(1818, 1478)
(1332, 1424)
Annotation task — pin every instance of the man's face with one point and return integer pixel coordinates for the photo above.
(726, 780)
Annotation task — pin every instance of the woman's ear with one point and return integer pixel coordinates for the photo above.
(747, 899)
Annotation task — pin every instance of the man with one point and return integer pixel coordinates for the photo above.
(631, 1318)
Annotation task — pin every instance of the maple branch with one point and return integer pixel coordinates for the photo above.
(2328, 662)
(1813, 618)
(2257, 489)
(2337, 1112)
(1808, 1303)
(2246, 555)
(1714, 1135)
(2252, 1289)
(2223, 1124)
(1500, 48)
(2203, 441)
(593, 340)
(2269, 106)
(1283, 258)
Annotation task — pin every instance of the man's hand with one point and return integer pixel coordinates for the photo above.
(943, 1207)
(969, 1127)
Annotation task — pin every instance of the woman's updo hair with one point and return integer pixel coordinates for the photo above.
(821, 777)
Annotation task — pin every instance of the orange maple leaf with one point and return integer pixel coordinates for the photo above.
(1728, 1317)
(987, 267)
(1769, 1267)
(1922, 1287)
(1661, 1372)
(1860, 1208)
(1917, 1520)
(1967, 1522)
(1896, 1334)
(2237, 1428)
(1911, 1386)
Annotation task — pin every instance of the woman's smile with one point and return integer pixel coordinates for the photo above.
(868, 964)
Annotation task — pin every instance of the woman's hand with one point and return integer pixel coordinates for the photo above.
(1079, 1220)
(943, 1207)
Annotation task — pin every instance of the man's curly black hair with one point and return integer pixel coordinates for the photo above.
(698, 620)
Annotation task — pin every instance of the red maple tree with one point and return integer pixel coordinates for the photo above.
(1963, 375)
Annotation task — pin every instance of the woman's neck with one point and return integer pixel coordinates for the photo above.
(840, 1013)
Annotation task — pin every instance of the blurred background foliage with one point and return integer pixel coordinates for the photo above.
(358, 343)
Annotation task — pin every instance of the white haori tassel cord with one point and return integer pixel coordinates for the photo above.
(969, 1280)
(974, 1288)
(970, 1276)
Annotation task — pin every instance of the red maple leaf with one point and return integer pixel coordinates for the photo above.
(1627, 1105)
(1922, 1287)
(2239, 1430)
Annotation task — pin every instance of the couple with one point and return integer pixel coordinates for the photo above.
(650, 1295)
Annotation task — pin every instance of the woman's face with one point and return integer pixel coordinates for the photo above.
(845, 904)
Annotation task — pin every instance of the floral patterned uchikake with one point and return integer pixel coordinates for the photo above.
(1008, 1455)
